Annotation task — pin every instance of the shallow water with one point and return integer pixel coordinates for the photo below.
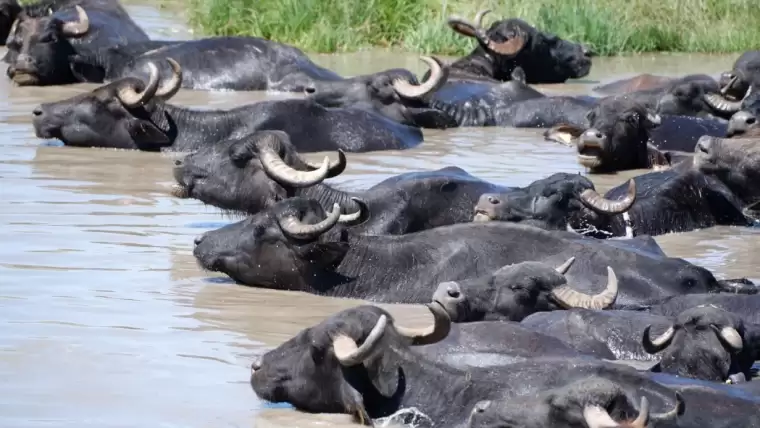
(105, 319)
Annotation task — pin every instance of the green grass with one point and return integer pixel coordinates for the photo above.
(611, 26)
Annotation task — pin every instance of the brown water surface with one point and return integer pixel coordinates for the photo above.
(105, 319)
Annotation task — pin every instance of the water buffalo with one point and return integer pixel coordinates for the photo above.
(296, 247)
(392, 94)
(610, 334)
(624, 135)
(745, 306)
(706, 343)
(40, 46)
(552, 203)
(512, 43)
(253, 173)
(231, 63)
(594, 403)
(737, 84)
(132, 114)
(359, 362)
(744, 123)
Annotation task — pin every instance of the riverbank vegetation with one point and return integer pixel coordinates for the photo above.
(610, 26)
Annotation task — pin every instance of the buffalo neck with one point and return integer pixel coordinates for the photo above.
(190, 129)
(478, 63)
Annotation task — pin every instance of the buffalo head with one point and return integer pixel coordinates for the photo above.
(703, 343)
(284, 246)
(345, 364)
(512, 43)
(389, 93)
(594, 402)
(43, 48)
(249, 174)
(735, 162)
(117, 115)
(516, 291)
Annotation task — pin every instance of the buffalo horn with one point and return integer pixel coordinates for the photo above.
(431, 334)
(730, 337)
(721, 103)
(438, 76)
(78, 27)
(292, 226)
(129, 96)
(278, 170)
(598, 417)
(724, 90)
(658, 344)
(170, 87)
(564, 267)
(510, 47)
(13, 28)
(479, 17)
(350, 218)
(336, 168)
(346, 351)
(570, 298)
(598, 203)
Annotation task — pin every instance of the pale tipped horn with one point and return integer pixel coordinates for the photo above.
(510, 47)
(658, 344)
(431, 334)
(350, 218)
(437, 78)
(336, 168)
(129, 96)
(568, 297)
(78, 27)
(564, 267)
(721, 103)
(730, 337)
(346, 351)
(293, 227)
(599, 203)
(278, 170)
(14, 27)
(171, 86)
(480, 15)
(598, 417)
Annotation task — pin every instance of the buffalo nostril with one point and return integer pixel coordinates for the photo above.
(454, 292)
(198, 239)
(37, 111)
(751, 121)
(256, 365)
(598, 135)
(493, 200)
(178, 162)
(704, 145)
(310, 90)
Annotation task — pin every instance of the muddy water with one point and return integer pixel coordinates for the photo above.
(105, 320)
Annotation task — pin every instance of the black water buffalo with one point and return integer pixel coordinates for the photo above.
(610, 334)
(40, 47)
(132, 114)
(737, 84)
(296, 247)
(232, 63)
(624, 135)
(552, 203)
(714, 405)
(253, 173)
(516, 291)
(747, 307)
(392, 94)
(594, 402)
(359, 362)
(512, 43)
(706, 343)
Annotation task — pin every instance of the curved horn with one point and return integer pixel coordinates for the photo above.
(14, 27)
(564, 267)
(598, 417)
(278, 170)
(730, 337)
(431, 334)
(437, 78)
(658, 344)
(724, 90)
(480, 15)
(292, 226)
(336, 168)
(721, 103)
(350, 218)
(78, 27)
(671, 414)
(131, 98)
(346, 351)
(598, 203)
(510, 47)
(568, 297)
(170, 87)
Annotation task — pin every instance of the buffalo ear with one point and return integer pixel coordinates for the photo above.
(86, 72)
(241, 153)
(384, 375)
(324, 254)
(147, 134)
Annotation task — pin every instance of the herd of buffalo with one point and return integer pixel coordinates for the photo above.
(552, 304)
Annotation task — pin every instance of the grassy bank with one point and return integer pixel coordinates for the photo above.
(610, 26)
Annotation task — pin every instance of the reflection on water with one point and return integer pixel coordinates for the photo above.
(106, 321)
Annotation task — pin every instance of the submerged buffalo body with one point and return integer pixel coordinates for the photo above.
(132, 114)
(40, 46)
(233, 63)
